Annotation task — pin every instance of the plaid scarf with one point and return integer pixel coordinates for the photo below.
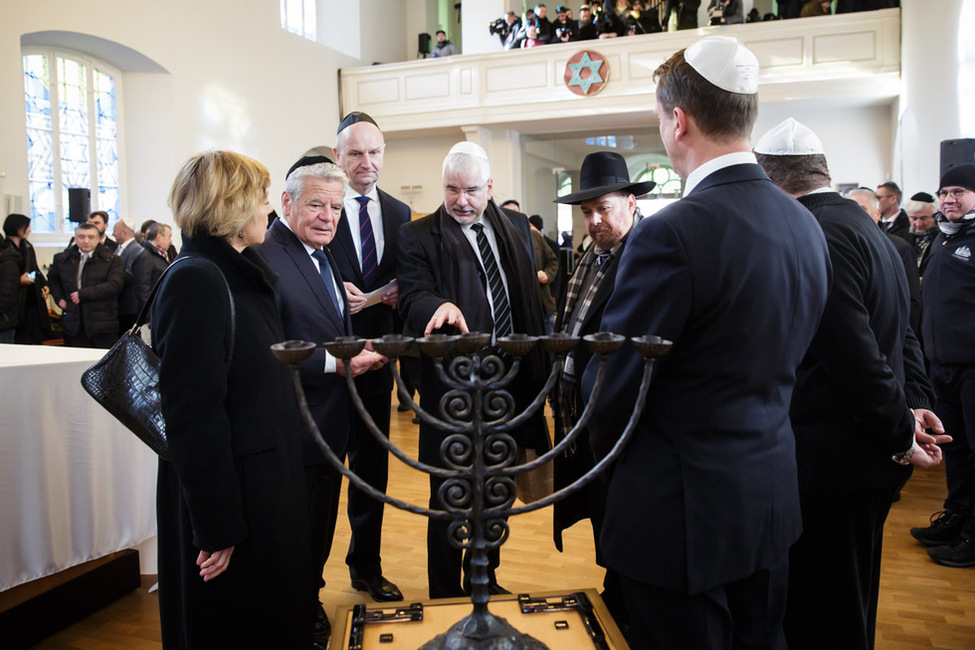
(578, 300)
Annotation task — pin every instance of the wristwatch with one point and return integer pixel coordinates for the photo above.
(904, 458)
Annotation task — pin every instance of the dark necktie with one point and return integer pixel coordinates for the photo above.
(325, 269)
(602, 257)
(367, 242)
(502, 310)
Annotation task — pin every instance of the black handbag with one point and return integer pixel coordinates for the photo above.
(126, 380)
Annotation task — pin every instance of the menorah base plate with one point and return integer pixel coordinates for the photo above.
(555, 628)
(483, 633)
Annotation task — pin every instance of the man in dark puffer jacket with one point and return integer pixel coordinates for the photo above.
(85, 281)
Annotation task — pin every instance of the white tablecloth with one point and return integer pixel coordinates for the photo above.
(75, 485)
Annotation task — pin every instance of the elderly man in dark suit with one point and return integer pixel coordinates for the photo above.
(862, 382)
(608, 202)
(364, 249)
(703, 504)
(469, 267)
(313, 308)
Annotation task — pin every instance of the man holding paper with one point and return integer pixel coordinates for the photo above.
(365, 254)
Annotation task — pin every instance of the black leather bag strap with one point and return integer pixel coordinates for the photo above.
(143, 317)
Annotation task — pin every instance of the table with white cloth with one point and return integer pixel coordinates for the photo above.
(75, 485)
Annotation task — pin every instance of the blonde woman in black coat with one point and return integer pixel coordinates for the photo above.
(233, 549)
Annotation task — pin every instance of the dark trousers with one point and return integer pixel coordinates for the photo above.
(370, 461)
(743, 614)
(834, 570)
(954, 387)
(324, 487)
(81, 340)
(444, 561)
(409, 370)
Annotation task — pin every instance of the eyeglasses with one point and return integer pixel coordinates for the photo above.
(955, 194)
(454, 192)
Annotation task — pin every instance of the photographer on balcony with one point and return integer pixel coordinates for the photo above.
(563, 29)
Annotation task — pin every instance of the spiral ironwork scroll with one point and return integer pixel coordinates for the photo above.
(477, 416)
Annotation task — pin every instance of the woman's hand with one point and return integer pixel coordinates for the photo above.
(213, 564)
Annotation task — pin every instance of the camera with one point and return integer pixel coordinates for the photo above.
(499, 27)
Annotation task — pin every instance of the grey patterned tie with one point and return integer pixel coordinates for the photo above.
(81, 266)
(502, 310)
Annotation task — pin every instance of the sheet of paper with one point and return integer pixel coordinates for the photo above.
(375, 297)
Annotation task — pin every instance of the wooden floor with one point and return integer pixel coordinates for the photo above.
(922, 605)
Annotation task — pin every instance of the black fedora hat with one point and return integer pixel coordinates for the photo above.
(604, 172)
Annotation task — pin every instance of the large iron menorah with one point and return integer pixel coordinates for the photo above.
(478, 490)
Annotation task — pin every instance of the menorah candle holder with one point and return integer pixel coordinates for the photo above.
(478, 452)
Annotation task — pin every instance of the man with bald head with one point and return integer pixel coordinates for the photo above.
(469, 267)
(365, 254)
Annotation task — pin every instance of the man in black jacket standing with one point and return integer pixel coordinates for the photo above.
(608, 202)
(469, 267)
(852, 408)
(364, 249)
(86, 281)
(948, 312)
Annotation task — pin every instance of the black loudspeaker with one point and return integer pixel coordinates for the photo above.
(79, 204)
(423, 46)
(956, 152)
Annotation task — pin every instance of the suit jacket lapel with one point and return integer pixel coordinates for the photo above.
(344, 245)
(296, 251)
(387, 265)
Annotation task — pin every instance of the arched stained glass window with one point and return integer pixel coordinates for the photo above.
(72, 136)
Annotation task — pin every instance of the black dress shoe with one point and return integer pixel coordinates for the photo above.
(497, 590)
(403, 408)
(322, 628)
(381, 589)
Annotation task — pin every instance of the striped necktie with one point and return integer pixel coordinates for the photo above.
(502, 310)
(367, 241)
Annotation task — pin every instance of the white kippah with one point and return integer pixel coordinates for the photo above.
(790, 138)
(726, 63)
(469, 148)
(128, 223)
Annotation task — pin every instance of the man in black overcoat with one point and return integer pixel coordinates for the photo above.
(863, 383)
(314, 308)
(445, 288)
(608, 203)
(364, 249)
(703, 504)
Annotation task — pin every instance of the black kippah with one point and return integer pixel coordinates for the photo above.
(306, 161)
(354, 118)
(923, 197)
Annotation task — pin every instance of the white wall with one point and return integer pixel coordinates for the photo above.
(934, 82)
(417, 161)
(232, 79)
(474, 22)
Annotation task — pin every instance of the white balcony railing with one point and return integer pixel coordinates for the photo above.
(855, 57)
